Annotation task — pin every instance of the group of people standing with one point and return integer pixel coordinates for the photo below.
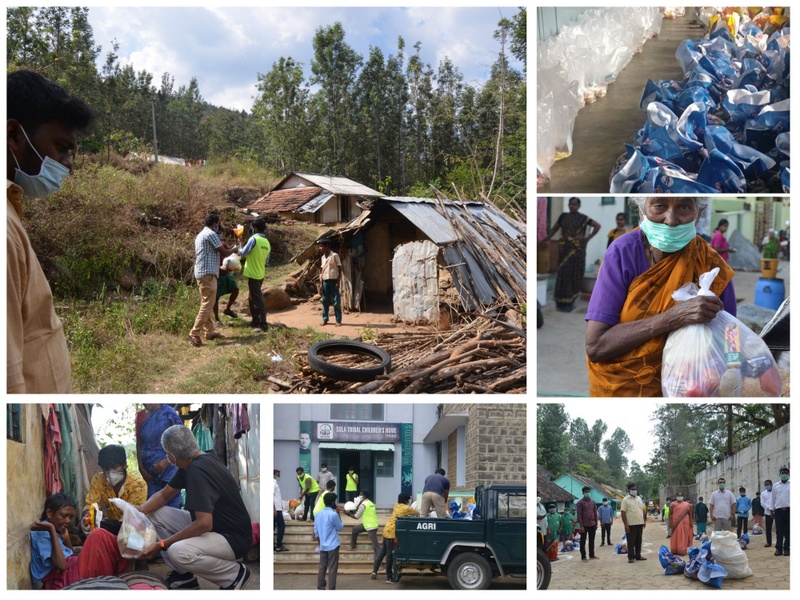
(724, 508)
(215, 280)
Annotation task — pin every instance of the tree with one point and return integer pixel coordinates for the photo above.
(552, 443)
(281, 112)
(615, 449)
(579, 435)
(596, 435)
(334, 69)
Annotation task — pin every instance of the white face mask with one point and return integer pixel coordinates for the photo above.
(633, 492)
(116, 477)
(680, 498)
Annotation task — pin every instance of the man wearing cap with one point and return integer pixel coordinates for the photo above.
(780, 500)
(330, 275)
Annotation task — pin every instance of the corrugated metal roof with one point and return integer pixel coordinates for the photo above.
(284, 200)
(358, 446)
(340, 185)
(315, 203)
(425, 216)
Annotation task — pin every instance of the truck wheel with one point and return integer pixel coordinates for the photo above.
(469, 571)
(543, 570)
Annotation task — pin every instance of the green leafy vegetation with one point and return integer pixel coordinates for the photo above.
(390, 122)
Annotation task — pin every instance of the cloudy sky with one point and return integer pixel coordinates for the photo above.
(225, 48)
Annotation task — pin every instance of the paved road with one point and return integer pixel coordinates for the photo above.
(613, 572)
(561, 343)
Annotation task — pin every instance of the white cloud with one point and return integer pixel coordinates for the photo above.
(226, 48)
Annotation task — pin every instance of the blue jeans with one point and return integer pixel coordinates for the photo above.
(330, 295)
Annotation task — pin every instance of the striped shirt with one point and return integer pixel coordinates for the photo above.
(206, 249)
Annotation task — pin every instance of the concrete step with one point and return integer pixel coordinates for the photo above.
(306, 536)
(310, 556)
(306, 568)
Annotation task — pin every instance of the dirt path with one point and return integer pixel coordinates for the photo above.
(309, 314)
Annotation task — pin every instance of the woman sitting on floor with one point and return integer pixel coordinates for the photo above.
(53, 563)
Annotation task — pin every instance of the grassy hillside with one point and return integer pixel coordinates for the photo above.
(117, 244)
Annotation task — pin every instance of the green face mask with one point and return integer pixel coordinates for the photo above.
(722, 486)
(666, 238)
(784, 477)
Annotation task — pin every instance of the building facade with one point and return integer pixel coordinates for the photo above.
(394, 447)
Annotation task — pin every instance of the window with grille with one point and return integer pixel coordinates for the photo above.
(13, 422)
(357, 412)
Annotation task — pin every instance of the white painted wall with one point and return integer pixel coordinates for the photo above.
(750, 466)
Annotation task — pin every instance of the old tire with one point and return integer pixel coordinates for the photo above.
(348, 373)
(543, 570)
(469, 571)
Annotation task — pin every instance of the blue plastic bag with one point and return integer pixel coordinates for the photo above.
(711, 574)
(665, 556)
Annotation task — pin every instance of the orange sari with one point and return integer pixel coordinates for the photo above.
(638, 371)
(682, 539)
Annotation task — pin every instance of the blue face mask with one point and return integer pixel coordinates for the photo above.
(666, 238)
(769, 488)
(49, 180)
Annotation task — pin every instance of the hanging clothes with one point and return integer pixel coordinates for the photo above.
(52, 445)
(241, 421)
(66, 455)
(203, 436)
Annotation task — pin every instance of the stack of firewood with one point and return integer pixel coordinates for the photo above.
(485, 356)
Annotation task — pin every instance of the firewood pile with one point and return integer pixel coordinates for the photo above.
(485, 356)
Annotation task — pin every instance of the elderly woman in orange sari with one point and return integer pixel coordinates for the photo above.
(680, 520)
(631, 311)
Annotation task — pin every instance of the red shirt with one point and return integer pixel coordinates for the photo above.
(587, 512)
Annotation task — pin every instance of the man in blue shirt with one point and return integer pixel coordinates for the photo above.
(743, 506)
(327, 526)
(606, 514)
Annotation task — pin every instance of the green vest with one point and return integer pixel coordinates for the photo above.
(369, 518)
(351, 485)
(320, 503)
(255, 267)
(302, 482)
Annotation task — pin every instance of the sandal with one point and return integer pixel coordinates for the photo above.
(282, 549)
(196, 341)
(230, 313)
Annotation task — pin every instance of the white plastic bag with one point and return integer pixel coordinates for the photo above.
(728, 554)
(722, 358)
(232, 263)
(137, 533)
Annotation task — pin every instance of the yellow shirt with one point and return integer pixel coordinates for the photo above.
(399, 510)
(133, 491)
(36, 348)
(633, 507)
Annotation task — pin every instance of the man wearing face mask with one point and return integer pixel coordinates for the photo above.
(587, 522)
(324, 476)
(606, 515)
(212, 534)
(780, 500)
(114, 482)
(722, 505)
(631, 310)
(208, 251)
(634, 518)
(41, 124)
(743, 506)
(769, 511)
